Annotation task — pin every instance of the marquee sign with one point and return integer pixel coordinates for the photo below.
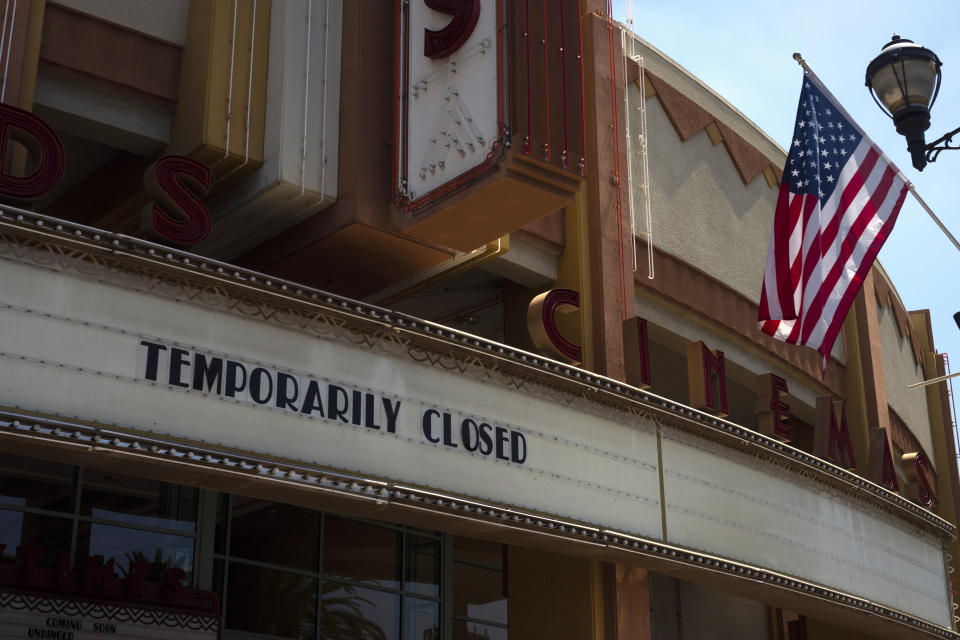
(450, 98)
(214, 366)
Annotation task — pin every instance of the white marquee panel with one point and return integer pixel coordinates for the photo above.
(737, 509)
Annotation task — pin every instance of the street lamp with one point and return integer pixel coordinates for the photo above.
(904, 81)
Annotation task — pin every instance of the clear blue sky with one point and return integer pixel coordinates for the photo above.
(743, 50)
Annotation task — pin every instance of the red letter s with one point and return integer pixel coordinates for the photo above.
(166, 182)
(440, 44)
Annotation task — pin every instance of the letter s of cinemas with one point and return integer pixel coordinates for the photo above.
(178, 214)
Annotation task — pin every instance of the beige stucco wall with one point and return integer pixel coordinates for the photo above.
(899, 370)
(702, 212)
(689, 85)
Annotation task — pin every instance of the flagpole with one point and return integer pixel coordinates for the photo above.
(946, 232)
(933, 380)
(933, 215)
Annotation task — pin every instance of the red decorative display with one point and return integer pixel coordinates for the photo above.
(702, 365)
(882, 469)
(178, 213)
(99, 578)
(772, 411)
(636, 351)
(541, 322)
(889, 476)
(42, 143)
(916, 468)
(832, 439)
(440, 44)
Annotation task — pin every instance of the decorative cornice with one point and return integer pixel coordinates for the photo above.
(688, 118)
(886, 296)
(334, 483)
(148, 266)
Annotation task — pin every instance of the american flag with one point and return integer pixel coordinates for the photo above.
(839, 198)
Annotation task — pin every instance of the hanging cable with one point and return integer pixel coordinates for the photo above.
(546, 85)
(581, 164)
(233, 50)
(563, 76)
(526, 34)
(629, 138)
(648, 214)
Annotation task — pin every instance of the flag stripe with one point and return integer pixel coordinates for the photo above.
(848, 244)
(857, 281)
(838, 200)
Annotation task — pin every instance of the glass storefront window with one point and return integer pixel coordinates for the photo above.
(138, 501)
(421, 619)
(376, 581)
(350, 612)
(479, 593)
(479, 552)
(36, 484)
(50, 535)
(281, 571)
(39, 510)
(361, 551)
(479, 589)
(469, 630)
(126, 546)
(274, 603)
(274, 533)
(422, 566)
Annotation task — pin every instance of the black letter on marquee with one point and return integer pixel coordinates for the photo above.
(285, 401)
(428, 425)
(391, 411)
(369, 413)
(153, 354)
(232, 385)
(357, 407)
(502, 439)
(312, 400)
(469, 442)
(486, 440)
(256, 380)
(206, 373)
(517, 439)
(178, 358)
(334, 409)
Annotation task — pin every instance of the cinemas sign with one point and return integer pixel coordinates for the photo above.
(176, 183)
(706, 373)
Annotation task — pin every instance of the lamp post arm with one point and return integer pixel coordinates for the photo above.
(942, 143)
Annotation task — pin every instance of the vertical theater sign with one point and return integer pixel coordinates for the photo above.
(450, 124)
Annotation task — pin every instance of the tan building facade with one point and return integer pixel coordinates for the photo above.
(429, 319)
